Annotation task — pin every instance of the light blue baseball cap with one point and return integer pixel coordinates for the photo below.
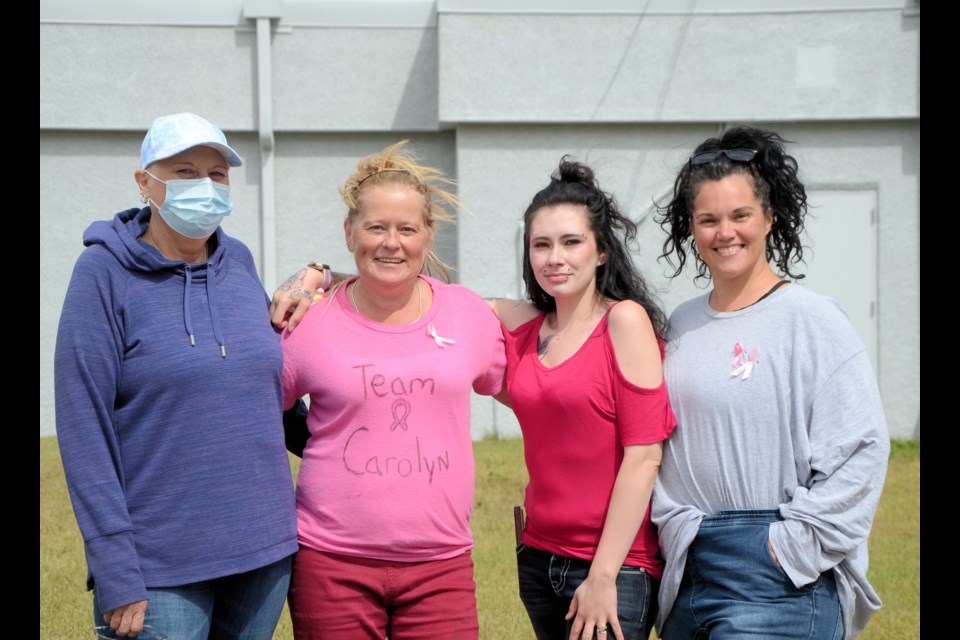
(169, 135)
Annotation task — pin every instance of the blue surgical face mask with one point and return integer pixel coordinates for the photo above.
(194, 208)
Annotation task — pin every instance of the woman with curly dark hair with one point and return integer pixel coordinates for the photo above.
(768, 488)
(584, 377)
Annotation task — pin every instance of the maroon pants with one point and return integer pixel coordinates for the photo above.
(337, 596)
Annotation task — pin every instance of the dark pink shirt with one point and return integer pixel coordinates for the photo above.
(576, 418)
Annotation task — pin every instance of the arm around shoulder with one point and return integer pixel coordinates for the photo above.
(293, 297)
(512, 313)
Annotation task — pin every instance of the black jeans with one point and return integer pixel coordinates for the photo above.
(547, 583)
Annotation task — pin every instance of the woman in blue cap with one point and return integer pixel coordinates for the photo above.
(169, 407)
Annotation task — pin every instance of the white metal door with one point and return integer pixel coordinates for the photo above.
(841, 231)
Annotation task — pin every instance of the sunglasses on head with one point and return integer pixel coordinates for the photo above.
(737, 155)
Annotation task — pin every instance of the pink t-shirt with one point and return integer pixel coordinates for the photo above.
(576, 418)
(388, 470)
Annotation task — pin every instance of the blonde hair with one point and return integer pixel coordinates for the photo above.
(397, 165)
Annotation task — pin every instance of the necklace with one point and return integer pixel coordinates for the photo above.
(352, 294)
(779, 284)
(544, 343)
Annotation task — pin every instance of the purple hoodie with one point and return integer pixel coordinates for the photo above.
(169, 414)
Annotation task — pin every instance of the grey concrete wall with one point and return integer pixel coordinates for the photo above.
(117, 77)
(689, 67)
(345, 79)
(121, 77)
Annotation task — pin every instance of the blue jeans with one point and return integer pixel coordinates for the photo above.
(547, 583)
(733, 588)
(244, 606)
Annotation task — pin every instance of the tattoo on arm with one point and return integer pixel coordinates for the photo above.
(293, 282)
(293, 286)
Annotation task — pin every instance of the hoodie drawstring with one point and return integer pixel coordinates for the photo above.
(215, 310)
(211, 303)
(187, 320)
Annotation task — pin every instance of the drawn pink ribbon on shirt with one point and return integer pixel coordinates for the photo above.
(441, 342)
(400, 410)
(743, 367)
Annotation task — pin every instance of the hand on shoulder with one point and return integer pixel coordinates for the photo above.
(292, 299)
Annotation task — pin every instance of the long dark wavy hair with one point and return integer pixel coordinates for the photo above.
(776, 185)
(574, 183)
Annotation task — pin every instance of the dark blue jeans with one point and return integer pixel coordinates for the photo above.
(733, 589)
(547, 583)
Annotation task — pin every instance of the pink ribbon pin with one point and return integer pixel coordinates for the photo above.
(441, 342)
(743, 367)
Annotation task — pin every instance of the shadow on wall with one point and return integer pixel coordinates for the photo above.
(417, 106)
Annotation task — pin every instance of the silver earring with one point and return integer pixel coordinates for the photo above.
(143, 197)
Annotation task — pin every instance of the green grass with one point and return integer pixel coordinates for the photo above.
(894, 548)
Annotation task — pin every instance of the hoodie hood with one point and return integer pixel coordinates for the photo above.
(121, 237)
